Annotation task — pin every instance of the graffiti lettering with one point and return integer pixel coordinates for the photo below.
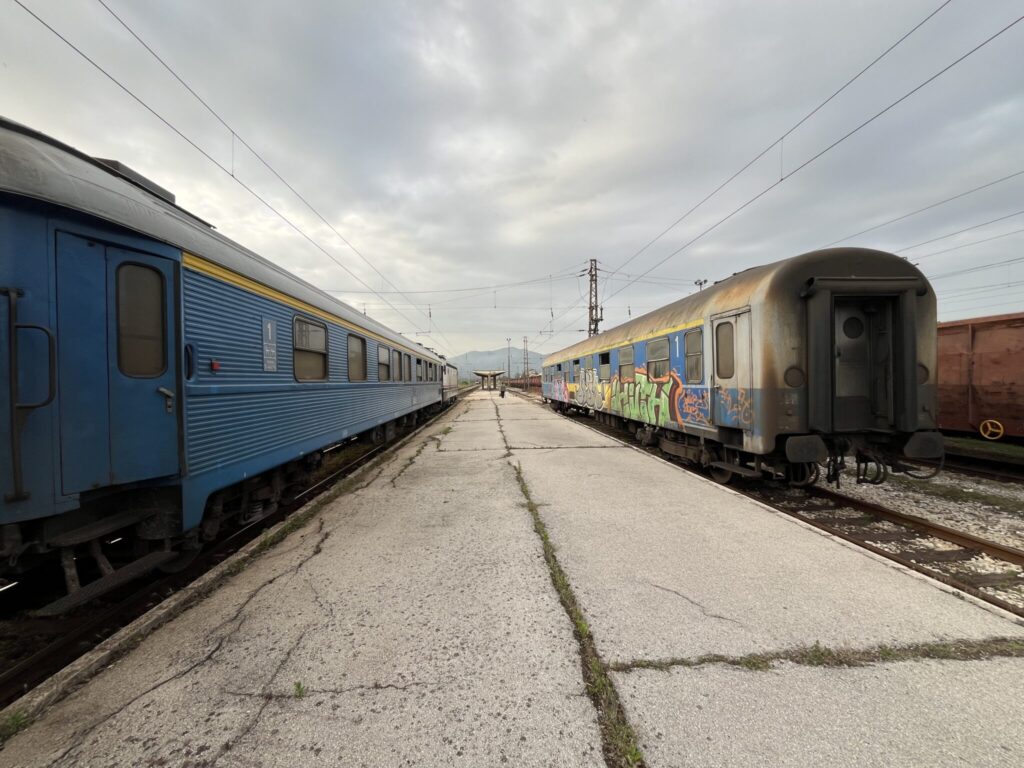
(643, 398)
(588, 392)
(658, 401)
(559, 391)
(734, 406)
(694, 405)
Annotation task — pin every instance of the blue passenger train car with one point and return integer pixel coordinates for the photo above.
(159, 380)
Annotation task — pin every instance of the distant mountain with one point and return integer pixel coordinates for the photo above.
(494, 360)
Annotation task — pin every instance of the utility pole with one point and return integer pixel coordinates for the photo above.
(526, 365)
(508, 364)
(596, 312)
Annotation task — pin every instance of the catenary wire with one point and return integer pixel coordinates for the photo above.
(256, 154)
(199, 149)
(927, 207)
(965, 245)
(783, 137)
(830, 147)
(959, 232)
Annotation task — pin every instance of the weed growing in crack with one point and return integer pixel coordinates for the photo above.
(618, 739)
(819, 655)
(300, 689)
(14, 722)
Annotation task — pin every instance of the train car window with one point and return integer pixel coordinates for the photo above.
(419, 369)
(693, 347)
(383, 363)
(356, 358)
(407, 376)
(657, 358)
(559, 368)
(605, 362)
(725, 363)
(396, 365)
(141, 335)
(576, 370)
(626, 363)
(309, 349)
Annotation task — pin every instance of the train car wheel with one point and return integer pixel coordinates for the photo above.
(991, 429)
(720, 475)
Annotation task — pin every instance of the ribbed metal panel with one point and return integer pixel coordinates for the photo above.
(241, 411)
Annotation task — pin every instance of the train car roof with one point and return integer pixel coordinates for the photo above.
(38, 166)
(1009, 319)
(740, 290)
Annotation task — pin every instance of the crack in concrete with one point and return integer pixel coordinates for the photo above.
(501, 430)
(818, 655)
(563, 447)
(699, 606)
(330, 691)
(230, 744)
(80, 736)
(408, 463)
(618, 739)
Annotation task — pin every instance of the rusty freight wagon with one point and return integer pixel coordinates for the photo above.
(981, 376)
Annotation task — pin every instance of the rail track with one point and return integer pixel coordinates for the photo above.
(32, 648)
(985, 569)
(984, 466)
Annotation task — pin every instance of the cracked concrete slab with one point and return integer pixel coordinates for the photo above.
(668, 564)
(416, 618)
(526, 431)
(933, 713)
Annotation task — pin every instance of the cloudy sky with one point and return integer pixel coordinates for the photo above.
(479, 145)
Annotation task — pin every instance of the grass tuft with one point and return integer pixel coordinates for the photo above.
(299, 690)
(12, 724)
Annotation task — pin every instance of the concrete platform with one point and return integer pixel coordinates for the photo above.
(417, 615)
(922, 713)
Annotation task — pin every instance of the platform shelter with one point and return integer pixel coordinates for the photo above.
(489, 379)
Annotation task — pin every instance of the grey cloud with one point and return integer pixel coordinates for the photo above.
(459, 143)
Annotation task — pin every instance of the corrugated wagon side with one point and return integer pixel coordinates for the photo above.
(981, 375)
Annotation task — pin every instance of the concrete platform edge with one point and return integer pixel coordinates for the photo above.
(30, 706)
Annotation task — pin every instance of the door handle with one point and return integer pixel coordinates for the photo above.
(168, 398)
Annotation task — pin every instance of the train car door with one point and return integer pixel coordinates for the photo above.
(733, 397)
(117, 366)
(863, 376)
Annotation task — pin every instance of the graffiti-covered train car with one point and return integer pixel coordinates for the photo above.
(778, 369)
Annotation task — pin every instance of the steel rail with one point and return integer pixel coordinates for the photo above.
(923, 525)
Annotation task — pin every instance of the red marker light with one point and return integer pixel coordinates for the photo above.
(214, 365)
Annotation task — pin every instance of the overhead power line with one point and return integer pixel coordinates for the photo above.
(199, 149)
(266, 164)
(495, 287)
(966, 245)
(959, 232)
(833, 145)
(927, 208)
(783, 137)
(822, 152)
(979, 268)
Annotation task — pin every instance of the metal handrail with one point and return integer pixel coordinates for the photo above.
(19, 411)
